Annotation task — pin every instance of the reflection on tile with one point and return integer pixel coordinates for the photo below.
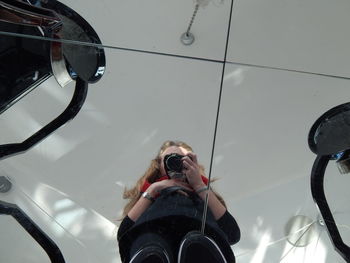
(259, 254)
(82, 224)
(264, 124)
(316, 252)
(263, 159)
(71, 248)
(17, 245)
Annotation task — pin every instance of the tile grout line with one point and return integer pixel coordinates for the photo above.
(217, 120)
(74, 42)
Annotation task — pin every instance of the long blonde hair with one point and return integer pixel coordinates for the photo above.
(152, 174)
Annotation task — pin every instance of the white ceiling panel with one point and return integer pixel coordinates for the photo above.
(263, 159)
(17, 239)
(300, 35)
(265, 117)
(157, 25)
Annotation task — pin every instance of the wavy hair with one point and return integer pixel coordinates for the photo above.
(152, 174)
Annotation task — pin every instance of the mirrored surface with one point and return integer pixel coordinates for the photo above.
(25, 63)
(248, 126)
(18, 245)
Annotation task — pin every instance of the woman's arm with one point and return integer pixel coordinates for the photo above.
(143, 203)
(124, 227)
(214, 204)
(140, 206)
(225, 220)
(192, 171)
(135, 212)
(228, 224)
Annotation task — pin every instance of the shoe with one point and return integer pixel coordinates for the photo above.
(151, 254)
(196, 247)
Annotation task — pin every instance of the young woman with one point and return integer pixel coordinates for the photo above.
(162, 219)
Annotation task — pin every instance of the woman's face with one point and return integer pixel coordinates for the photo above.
(170, 150)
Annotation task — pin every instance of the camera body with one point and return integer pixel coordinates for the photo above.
(173, 165)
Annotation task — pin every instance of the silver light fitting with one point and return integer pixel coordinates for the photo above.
(187, 38)
(5, 184)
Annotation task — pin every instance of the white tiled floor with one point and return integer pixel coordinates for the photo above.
(71, 183)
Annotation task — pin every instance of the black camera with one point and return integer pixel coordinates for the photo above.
(173, 165)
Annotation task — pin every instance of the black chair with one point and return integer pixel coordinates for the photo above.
(329, 139)
(33, 47)
(29, 53)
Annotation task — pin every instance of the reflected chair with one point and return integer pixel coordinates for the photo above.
(33, 229)
(29, 53)
(38, 40)
(26, 62)
(329, 139)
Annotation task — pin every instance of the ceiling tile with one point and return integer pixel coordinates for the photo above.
(263, 161)
(298, 35)
(157, 25)
(265, 117)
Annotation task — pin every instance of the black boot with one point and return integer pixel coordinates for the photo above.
(150, 248)
(151, 254)
(196, 247)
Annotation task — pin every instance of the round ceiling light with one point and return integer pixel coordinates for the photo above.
(301, 230)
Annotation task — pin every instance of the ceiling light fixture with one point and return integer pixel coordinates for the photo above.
(5, 184)
(300, 231)
(187, 38)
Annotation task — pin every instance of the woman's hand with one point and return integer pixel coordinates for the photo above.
(192, 171)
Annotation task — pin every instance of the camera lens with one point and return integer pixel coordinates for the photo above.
(173, 162)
